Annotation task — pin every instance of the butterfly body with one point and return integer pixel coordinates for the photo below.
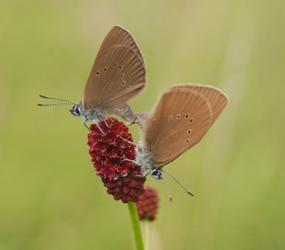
(96, 115)
(144, 159)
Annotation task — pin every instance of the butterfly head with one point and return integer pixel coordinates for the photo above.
(156, 173)
(76, 110)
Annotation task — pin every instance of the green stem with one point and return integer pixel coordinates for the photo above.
(146, 234)
(136, 225)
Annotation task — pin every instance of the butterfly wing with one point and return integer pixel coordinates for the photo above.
(116, 77)
(118, 36)
(180, 120)
(118, 73)
(215, 96)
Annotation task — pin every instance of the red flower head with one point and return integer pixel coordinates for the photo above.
(148, 204)
(112, 156)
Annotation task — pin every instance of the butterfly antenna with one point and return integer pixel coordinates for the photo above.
(169, 194)
(64, 103)
(178, 183)
(63, 100)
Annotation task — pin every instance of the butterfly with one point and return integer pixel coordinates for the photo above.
(181, 118)
(117, 75)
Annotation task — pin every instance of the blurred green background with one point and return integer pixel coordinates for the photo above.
(50, 196)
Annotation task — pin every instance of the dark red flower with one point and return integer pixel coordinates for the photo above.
(112, 155)
(148, 204)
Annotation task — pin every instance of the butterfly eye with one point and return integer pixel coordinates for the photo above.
(120, 67)
(156, 173)
(97, 73)
(178, 116)
(122, 75)
(115, 64)
(187, 140)
(123, 82)
(170, 117)
(75, 110)
(189, 131)
(187, 115)
(191, 120)
(105, 69)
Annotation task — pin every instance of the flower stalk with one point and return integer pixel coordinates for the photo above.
(136, 225)
(113, 155)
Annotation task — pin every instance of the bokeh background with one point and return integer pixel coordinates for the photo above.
(50, 195)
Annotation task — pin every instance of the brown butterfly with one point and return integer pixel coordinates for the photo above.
(118, 75)
(180, 120)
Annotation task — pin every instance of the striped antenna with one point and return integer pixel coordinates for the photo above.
(65, 102)
(168, 190)
(177, 182)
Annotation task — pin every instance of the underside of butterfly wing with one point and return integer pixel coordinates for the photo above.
(116, 77)
(118, 36)
(217, 99)
(180, 120)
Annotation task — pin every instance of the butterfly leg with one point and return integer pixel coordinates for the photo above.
(100, 128)
(106, 123)
(84, 123)
(143, 174)
(142, 170)
(97, 124)
(133, 161)
(127, 140)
